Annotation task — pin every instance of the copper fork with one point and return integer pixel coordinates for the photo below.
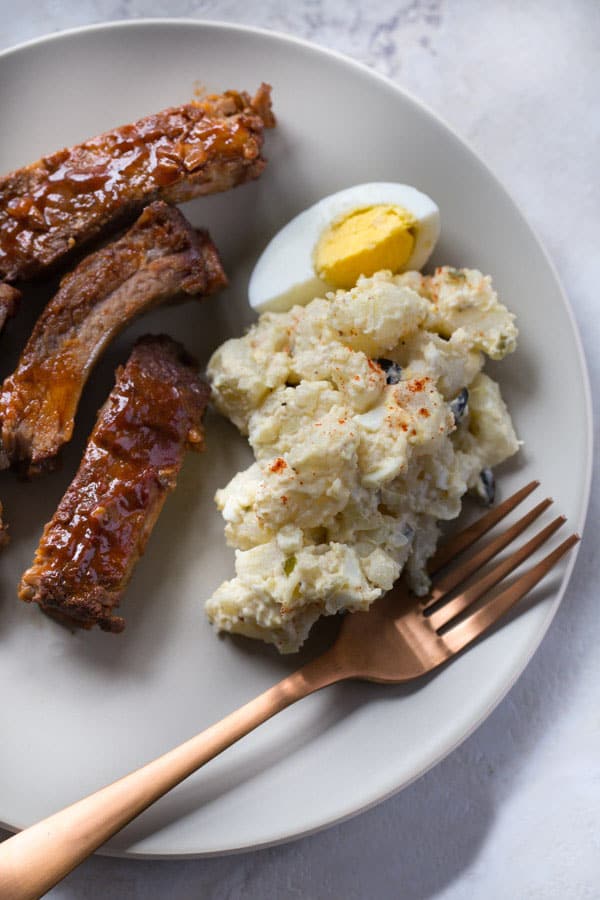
(399, 639)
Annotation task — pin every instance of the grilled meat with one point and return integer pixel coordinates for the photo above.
(54, 206)
(160, 257)
(9, 297)
(89, 549)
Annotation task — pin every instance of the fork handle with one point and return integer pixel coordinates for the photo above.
(34, 860)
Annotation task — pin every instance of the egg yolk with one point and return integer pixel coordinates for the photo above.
(363, 242)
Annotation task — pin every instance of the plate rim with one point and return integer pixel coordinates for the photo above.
(520, 663)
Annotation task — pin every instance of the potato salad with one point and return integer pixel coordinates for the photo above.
(370, 417)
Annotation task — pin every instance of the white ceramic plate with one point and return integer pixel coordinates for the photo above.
(79, 710)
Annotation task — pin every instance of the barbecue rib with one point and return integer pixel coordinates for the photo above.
(160, 257)
(54, 206)
(88, 550)
(9, 297)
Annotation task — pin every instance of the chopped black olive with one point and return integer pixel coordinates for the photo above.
(458, 406)
(393, 372)
(486, 486)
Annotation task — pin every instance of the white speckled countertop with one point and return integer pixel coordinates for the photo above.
(515, 811)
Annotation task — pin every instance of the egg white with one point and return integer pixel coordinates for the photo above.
(284, 274)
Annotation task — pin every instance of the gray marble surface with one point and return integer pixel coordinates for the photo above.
(515, 811)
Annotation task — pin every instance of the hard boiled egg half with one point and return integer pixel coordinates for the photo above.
(357, 231)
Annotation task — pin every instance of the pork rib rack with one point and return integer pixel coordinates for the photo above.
(55, 206)
(159, 258)
(89, 549)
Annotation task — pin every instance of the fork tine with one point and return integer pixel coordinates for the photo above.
(464, 570)
(464, 539)
(456, 606)
(471, 628)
